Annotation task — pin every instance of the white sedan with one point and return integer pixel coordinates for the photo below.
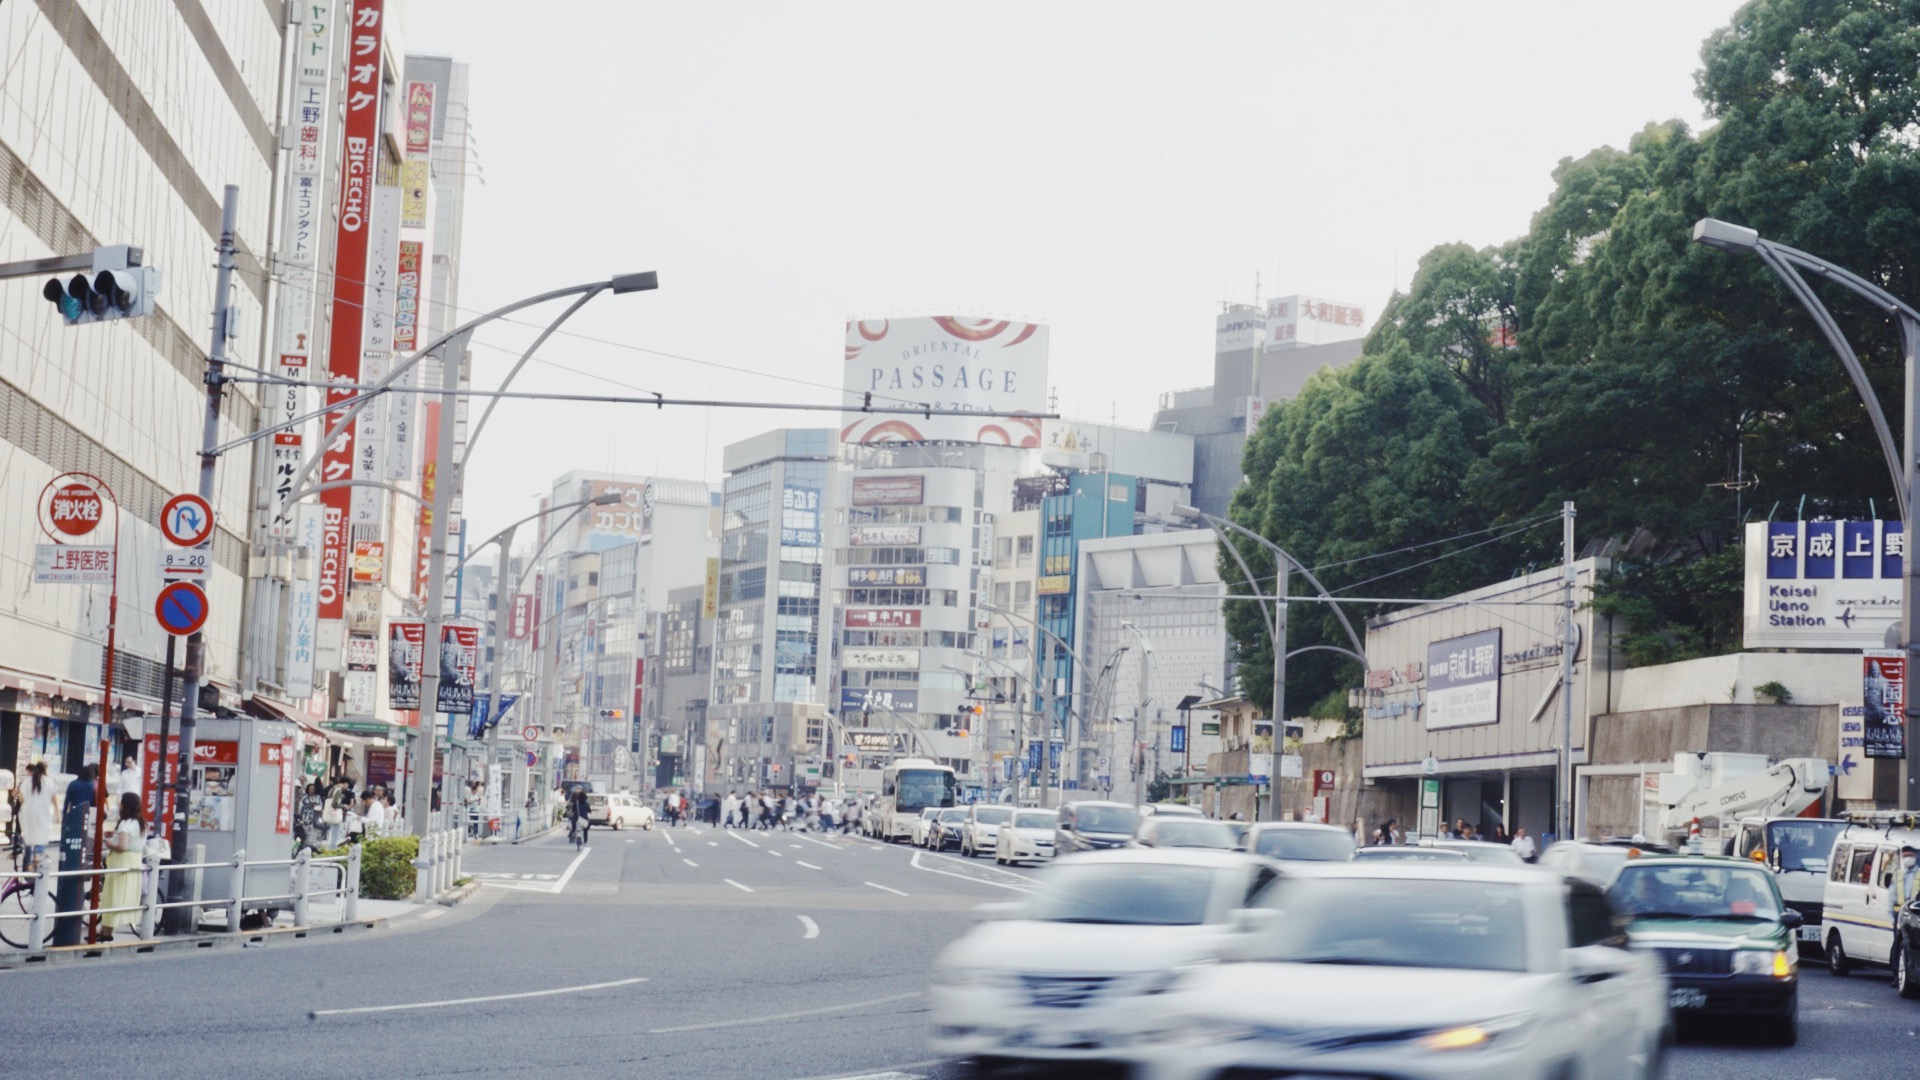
(1418, 969)
(923, 825)
(1072, 972)
(1025, 837)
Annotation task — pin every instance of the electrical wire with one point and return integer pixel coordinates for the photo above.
(1448, 555)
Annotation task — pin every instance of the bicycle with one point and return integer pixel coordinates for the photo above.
(16, 905)
(577, 832)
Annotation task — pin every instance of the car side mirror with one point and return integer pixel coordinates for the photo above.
(1596, 963)
(1792, 919)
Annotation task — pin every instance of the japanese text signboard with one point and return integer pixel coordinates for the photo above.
(1883, 695)
(1463, 681)
(1822, 584)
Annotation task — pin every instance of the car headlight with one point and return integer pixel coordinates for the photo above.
(1504, 1031)
(1777, 963)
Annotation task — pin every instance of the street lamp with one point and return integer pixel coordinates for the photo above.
(1139, 768)
(1275, 607)
(1046, 687)
(1786, 263)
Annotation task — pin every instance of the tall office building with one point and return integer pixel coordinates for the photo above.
(1261, 355)
(766, 707)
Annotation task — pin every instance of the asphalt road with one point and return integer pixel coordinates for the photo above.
(669, 953)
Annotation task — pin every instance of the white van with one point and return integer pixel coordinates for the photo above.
(1859, 877)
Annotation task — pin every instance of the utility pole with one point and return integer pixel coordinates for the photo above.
(1563, 827)
(420, 759)
(1282, 578)
(179, 920)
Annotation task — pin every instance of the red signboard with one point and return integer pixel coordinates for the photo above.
(359, 149)
(639, 683)
(157, 813)
(281, 754)
(216, 752)
(429, 477)
(870, 618)
(519, 623)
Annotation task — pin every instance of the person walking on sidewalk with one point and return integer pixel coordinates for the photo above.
(122, 887)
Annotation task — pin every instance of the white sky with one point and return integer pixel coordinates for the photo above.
(1113, 169)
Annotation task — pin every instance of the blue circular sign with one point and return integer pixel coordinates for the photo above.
(181, 608)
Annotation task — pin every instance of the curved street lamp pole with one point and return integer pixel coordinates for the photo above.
(1275, 608)
(1786, 263)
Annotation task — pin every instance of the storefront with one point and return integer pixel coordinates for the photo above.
(1463, 705)
(49, 725)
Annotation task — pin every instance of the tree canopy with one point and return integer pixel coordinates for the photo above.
(1603, 358)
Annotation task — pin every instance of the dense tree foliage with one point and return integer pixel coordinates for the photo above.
(1604, 358)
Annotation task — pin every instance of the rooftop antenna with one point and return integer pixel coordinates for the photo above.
(1256, 288)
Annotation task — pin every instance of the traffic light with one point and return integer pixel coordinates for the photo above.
(118, 288)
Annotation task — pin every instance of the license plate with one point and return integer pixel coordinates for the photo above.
(1686, 997)
(1808, 933)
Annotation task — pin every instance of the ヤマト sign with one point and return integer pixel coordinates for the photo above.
(1822, 584)
(1463, 681)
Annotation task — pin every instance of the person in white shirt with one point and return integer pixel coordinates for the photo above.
(1523, 845)
(375, 816)
(39, 813)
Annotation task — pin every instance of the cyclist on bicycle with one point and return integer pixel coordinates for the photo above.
(579, 820)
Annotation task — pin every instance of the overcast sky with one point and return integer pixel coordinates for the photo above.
(1115, 170)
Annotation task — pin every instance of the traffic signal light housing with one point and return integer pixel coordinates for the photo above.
(118, 287)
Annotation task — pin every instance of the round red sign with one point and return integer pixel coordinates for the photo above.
(75, 509)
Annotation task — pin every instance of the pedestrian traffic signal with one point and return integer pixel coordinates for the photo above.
(118, 288)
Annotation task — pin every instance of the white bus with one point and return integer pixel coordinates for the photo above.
(908, 786)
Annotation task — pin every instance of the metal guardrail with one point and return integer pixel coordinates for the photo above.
(301, 892)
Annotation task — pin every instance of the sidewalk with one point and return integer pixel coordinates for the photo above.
(325, 919)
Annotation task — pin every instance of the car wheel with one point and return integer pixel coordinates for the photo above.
(1904, 979)
(1838, 962)
(1788, 1033)
(615, 823)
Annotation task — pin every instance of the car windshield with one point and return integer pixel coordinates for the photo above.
(1304, 845)
(924, 787)
(1803, 845)
(1034, 819)
(1107, 819)
(1471, 925)
(1414, 854)
(1691, 891)
(953, 815)
(1199, 833)
(991, 815)
(1129, 893)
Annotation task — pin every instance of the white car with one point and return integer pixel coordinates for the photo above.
(982, 829)
(1428, 969)
(1071, 972)
(923, 825)
(1302, 841)
(1026, 837)
(1598, 863)
(618, 810)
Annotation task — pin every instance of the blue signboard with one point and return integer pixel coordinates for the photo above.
(1179, 739)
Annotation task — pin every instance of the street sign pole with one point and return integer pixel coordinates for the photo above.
(179, 920)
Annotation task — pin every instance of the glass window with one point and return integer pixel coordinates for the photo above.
(1463, 925)
(1693, 891)
(1860, 872)
(1304, 845)
(1127, 894)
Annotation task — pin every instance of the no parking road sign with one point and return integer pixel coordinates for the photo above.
(181, 609)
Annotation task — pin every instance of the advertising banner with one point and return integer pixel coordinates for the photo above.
(882, 659)
(883, 535)
(357, 158)
(405, 644)
(519, 622)
(1463, 681)
(1822, 584)
(889, 490)
(872, 699)
(406, 299)
(1883, 697)
(887, 575)
(376, 354)
(369, 562)
(710, 595)
(946, 362)
(799, 517)
(459, 664)
(303, 612)
(883, 618)
(152, 793)
(363, 652)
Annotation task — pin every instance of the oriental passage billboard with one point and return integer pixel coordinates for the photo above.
(945, 362)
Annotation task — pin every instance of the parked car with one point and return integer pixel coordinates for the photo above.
(945, 830)
(1721, 932)
(1414, 968)
(1028, 835)
(922, 825)
(1071, 972)
(1165, 831)
(618, 810)
(982, 829)
(1095, 826)
(1172, 808)
(1302, 841)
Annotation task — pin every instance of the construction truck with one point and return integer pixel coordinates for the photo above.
(1707, 795)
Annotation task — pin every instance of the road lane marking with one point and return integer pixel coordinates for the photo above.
(776, 855)
(813, 928)
(736, 884)
(782, 1016)
(883, 888)
(915, 863)
(796, 847)
(808, 865)
(670, 840)
(317, 1013)
(713, 843)
(568, 876)
(822, 843)
(691, 863)
(632, 841)
(743, 840)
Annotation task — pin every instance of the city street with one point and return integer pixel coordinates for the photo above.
(676, 952)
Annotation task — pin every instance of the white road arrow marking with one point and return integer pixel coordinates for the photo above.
(813, 928)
